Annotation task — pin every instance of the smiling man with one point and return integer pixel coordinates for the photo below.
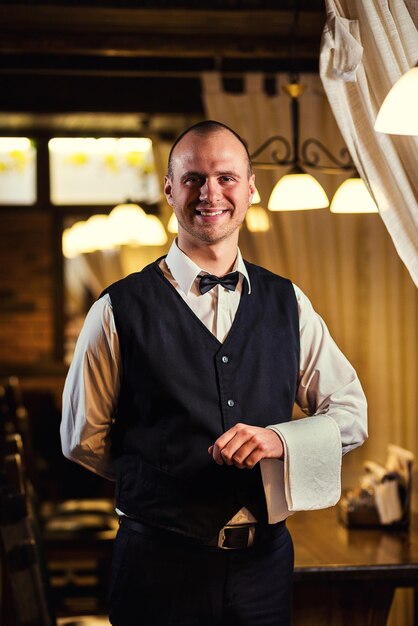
(182, 387)
(210, 187)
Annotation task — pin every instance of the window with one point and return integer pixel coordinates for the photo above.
(17, 171)
(106, 170)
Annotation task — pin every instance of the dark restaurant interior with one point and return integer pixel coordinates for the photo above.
(93, 94)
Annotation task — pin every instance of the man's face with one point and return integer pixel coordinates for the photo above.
(209, 190)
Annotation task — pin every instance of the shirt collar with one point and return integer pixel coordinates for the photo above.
(185, 271)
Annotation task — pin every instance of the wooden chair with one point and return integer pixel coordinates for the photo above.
(14, 418)
(76, 534)
(22, 547)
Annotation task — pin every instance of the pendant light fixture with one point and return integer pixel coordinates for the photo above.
(133, 226)
(398, 114)
(352, 196)
(256, 218)
(126, 225)
(173, 225)
(298, 189)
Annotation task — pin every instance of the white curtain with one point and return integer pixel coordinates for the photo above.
(367, 45)
(346, 264)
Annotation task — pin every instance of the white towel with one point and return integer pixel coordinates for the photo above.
(309, 478)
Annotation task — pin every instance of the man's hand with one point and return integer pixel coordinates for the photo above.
(244, 446)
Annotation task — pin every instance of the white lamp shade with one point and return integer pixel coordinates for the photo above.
(126, 222)
(352, 196)
(398, 114)
(297, 192)
(97, 234)
(69, 243)
(75, 240)
(82, 237)
(256, 197)
(257, 220)
(130, 225)
(173, 225)
(153, 233)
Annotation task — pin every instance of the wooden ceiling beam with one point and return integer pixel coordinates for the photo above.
(154, 46)
(156, 32)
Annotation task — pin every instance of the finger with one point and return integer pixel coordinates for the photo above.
(253, 451)
(238, 448)
(249, 462)
(252, 459)
(216, 458)
(231, 448)
(219, 445)
(226, 437)
(246, 457)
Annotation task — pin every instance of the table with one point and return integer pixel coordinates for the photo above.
(347, 577)
(343, 577)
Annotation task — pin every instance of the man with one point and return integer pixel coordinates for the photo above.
(182, 388)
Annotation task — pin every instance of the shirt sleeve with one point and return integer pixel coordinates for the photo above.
(329, 392)
(90, 392)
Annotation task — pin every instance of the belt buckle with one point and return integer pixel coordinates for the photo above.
(222, 535)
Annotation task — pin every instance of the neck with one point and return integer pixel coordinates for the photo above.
(218, 258)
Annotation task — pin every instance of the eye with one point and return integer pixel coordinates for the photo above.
(226, 179)
(193, 180)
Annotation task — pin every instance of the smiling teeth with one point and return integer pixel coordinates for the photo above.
(210, 213)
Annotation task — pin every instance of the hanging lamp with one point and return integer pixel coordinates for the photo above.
(398, 114)
(352, 196)
(256, 218)
(298, 189)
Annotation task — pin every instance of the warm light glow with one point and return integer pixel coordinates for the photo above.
(14, 143)
(74, 239)
(68, 249)
(82, 237)
(72, 144)
(257, 220)
(127, 223)
(398, 114)
(97, 234)
(102, 145)
(173, 225)
(153, 233)
(132, 226)
(256, 197)
(352, 196)
(296, 192)
(134, 144)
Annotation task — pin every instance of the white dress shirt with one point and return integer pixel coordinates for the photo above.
(328, 391)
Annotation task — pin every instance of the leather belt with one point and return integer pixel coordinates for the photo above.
(236, 537)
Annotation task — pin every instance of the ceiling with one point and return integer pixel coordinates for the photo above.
(65, 62)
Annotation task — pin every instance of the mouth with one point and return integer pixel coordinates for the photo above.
(211, 212)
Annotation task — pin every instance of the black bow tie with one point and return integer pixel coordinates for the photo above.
(209, 281)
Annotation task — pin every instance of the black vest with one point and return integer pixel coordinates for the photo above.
(181, 389)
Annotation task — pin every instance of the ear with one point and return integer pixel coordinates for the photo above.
(251, 185)
(168, 189)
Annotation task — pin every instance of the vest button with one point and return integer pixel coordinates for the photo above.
(225, 359)
(231, 403)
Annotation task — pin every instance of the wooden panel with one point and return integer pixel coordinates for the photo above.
(31, 93)
(157, 32)
(326, 550)
(347, 577)
(164, 21)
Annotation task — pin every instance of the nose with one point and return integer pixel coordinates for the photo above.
(210, 191)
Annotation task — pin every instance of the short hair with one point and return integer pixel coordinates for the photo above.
(207, 127)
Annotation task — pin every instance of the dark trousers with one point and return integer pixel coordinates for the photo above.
(166, 583)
